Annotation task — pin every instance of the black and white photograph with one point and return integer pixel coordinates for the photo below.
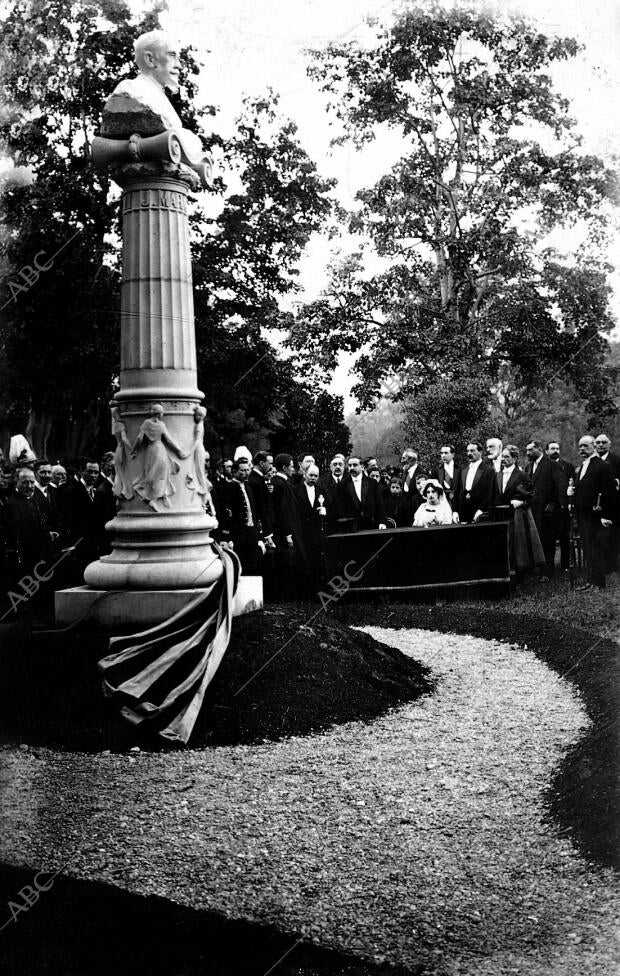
(309, 488)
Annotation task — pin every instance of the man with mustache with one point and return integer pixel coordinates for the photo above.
(549, 487)
(561, 522)
(603, 449)
(591, 495)
(476, 487)
(330, 486)
(25, 528)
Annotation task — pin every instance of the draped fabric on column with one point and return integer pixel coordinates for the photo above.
(159, 677)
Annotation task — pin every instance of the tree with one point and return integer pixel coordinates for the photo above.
(312, 421)
(60, 325)
(245, 262)
(378, 432)
(493, 164)
(454, 413)
(60, 334)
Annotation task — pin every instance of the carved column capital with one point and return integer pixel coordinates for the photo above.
(168, 154)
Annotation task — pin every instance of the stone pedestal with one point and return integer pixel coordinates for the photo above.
(114, 610)
(158, 542)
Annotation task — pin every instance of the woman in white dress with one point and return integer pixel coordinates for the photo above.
(435, 510)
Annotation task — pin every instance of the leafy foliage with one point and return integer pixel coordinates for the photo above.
(60, 334)
(449, 413)
(313, 423)
(245, 261)
(465, 282)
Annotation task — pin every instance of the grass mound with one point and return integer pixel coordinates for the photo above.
(287, 671)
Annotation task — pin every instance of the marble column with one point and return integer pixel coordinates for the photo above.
(161, 533)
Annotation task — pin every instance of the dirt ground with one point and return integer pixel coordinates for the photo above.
(320, 675)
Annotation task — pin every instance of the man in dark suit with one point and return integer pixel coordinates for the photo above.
(308, 533)
(603, 449)
(410, 466)
(561, 522)
(76, 515)
(549, 489)
(104, 504)
(283, 519)
(592, 498)
(262, 463)
(360, 504)
(44, 492)
(447, 472)
(283, 510)
(262, 490)
(27, 537)
(240, 517)
(476, 487)
(330, 486)
(554, 453)
(513, 485)
(75, 500)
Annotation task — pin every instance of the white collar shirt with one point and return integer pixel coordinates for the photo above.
(584, 467)
(357, 484)
(311, 493)
(471, 474)
(506, 475)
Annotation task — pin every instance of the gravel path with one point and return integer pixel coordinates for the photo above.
(420, 838)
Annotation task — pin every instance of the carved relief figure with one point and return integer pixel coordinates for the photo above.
(122, 484)
(197, 481)
(152, 445)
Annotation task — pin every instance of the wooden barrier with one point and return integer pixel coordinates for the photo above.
(444, 556)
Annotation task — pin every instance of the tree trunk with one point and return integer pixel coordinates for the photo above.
(38, 430)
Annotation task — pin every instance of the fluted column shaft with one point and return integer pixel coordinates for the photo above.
(157, 304)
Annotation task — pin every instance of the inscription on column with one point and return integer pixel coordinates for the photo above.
(154, 199)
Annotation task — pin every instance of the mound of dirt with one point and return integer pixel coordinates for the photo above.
(287, 671)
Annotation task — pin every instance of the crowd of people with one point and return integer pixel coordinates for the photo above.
(52, 513)
(276, 513)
